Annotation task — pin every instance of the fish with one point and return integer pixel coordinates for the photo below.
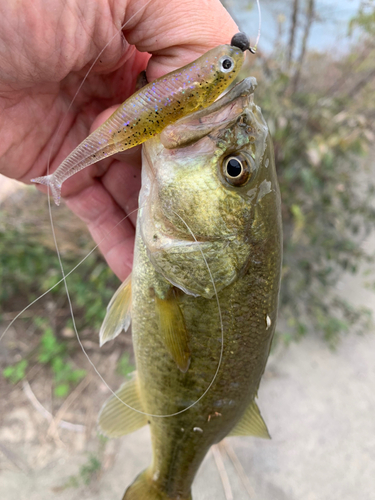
(153, 107)
(203, 294)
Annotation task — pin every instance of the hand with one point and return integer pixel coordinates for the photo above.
(46, 50)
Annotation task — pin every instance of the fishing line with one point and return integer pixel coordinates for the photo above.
(48, 165)
(76, 330)
(64, 276)
(255, 47)
(219, 311)
(101, 377)
(63, 279)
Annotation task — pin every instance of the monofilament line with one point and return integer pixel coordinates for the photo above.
(255, 47)
(66, 285)
(91, 362)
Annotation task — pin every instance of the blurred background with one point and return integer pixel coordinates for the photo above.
(315, 67)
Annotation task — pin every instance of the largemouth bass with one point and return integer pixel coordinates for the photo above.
(208, 233)
(153, 107)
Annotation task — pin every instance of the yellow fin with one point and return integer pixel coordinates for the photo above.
(251, 424)
(173, 330)
(116, 419)
(118, 315)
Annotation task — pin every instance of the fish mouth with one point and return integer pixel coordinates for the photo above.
(193, 127)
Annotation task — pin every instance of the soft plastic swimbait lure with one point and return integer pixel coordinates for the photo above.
(153, 107)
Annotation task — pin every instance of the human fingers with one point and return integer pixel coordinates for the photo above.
(176, 32)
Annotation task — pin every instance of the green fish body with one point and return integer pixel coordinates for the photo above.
(204, 290)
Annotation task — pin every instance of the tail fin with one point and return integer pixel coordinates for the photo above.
(144, 489)
(48, 180)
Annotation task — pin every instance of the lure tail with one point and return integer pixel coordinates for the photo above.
(49, 180)
(144, 489)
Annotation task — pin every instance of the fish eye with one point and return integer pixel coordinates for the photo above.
(226, 64)
(236, 170)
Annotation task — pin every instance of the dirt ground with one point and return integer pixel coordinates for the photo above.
(318, 404)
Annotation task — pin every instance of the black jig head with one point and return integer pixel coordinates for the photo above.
(241, 41)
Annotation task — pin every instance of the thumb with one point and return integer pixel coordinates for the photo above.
(177, 32)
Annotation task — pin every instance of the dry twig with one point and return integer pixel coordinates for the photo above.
(222, 471)
(66, 404)
(292, 35)
(46, 414)
(310, 18)
(238, 466)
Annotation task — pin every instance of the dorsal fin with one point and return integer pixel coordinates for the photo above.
(118, 315)
(173, 330)
(116, 419)
(251, 424)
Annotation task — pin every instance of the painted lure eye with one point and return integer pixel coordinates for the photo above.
(226, 64)
(236, 170)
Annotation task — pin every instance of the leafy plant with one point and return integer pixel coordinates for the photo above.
(88, 472)
(124, 365)
(29, 266)
(16, 373)
(54, 353)
(320, 112)
(49, 347)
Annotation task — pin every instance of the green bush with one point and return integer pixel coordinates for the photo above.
(322, 133)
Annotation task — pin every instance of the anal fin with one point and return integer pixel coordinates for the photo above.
(115, 418)
(251, 424)
(173, 330)
(118, 315)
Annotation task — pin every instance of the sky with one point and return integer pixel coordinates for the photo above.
(329, 33)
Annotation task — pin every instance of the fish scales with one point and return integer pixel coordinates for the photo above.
(237, 226)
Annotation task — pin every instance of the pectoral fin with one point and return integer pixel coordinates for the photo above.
(118, 315)
(173, 330)
(115, 418)
(251, 424)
